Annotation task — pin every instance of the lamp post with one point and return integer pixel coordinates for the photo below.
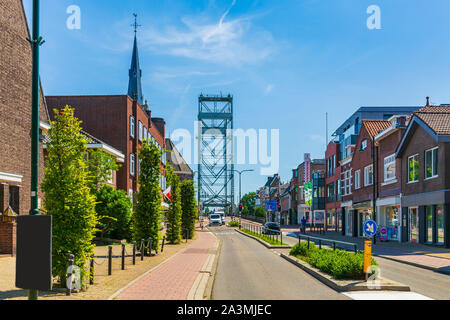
(36, 42)
(240, 198)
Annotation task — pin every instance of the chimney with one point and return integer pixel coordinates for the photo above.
(428, 102)
(401, 121)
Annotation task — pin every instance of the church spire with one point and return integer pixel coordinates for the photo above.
(135, 73)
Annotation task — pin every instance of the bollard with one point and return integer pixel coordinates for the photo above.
(109, 260)
(69, 276)
(149, 247)
(134, 252)
(356, 248)
(308, 243)
(334, 245)
(142, 250)
(162, 247)
(91, 272)
(320, 244)
(123, 256)
(299, 238)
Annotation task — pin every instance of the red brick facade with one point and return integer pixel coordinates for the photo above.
(109, 119)
(15, 116)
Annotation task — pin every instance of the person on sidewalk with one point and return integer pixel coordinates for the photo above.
(303, 225)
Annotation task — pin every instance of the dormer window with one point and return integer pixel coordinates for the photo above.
(363, 145)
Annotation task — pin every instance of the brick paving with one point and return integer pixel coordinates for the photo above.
(173, 279)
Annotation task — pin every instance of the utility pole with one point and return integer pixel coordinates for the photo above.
(36, 42)
(240, 197)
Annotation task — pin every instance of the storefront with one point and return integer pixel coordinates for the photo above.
(364, 212)
(331, 220)
(427, 222)
(388, 216)
(348, 218)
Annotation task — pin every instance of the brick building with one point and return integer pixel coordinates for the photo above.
(303, 173)
(333, 188)
(363, 184)
(425, 173)
(122, 121)
(15, 119)
(389, 178)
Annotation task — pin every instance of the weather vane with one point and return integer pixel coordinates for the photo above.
(135, 24)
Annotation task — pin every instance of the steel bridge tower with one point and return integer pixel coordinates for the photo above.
(215, 152)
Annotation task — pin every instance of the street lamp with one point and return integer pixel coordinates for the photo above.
(240, 199)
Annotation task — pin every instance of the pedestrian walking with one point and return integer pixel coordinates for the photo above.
(303, 226)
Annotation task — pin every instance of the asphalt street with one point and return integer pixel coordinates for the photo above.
(249, 271)
(425, 282)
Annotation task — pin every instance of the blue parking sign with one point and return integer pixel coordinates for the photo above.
(271, 205)
(370, 228)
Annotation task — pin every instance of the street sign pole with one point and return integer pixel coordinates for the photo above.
(35, 42)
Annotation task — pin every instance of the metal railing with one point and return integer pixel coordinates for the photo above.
(323, 240)
(274, 235)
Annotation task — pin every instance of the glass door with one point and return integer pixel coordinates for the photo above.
(429, 223)
(413, 225)
(440, 224)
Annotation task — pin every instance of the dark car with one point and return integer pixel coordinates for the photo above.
(271, 228)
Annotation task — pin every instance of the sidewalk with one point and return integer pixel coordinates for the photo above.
(423, 256)
(174, 279)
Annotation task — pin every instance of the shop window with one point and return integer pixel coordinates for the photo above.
(14, 198)
(440, 233)
(429, 224)
(431, 163)
(389, 168)
(413, 168)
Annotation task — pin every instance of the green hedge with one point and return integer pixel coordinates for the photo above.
(233, 224)
(337, 263)
(270, 240)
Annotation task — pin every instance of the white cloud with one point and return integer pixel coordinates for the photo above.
(269, 89)
(232, 42)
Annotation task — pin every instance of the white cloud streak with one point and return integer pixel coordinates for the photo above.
(230, 41)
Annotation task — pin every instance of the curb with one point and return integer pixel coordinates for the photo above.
(269, 246)
(202, 287)
(417, 265)
(333, 284)
(209, 287)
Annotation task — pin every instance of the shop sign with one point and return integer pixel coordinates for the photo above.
(383, 234)
(308, 193)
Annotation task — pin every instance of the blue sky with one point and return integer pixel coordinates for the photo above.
(286, 62)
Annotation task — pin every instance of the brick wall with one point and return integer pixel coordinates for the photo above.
(7, 238)
(362, 159)
(418, 144)
(15, 101)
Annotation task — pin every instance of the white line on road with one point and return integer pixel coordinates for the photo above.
(385, 295)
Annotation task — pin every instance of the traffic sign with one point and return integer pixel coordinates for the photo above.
(370, 228)
(271, 205)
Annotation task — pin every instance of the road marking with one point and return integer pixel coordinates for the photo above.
(385, 295)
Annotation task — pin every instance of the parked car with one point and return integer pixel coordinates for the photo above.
(271, 228)
(215, 219)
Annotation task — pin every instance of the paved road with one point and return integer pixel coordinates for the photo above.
(249, 271)
(425, 282)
